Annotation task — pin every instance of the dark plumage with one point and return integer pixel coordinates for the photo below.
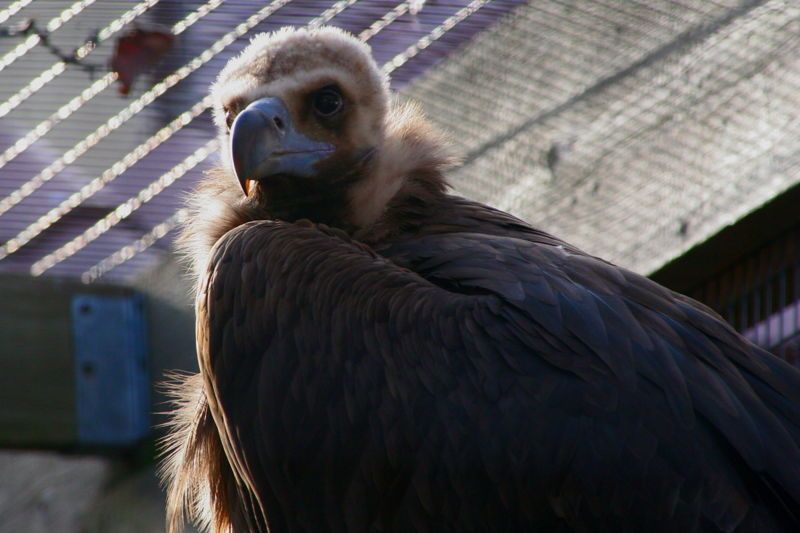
(421, 362)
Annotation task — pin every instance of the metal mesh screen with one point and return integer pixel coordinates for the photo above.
(633, 129)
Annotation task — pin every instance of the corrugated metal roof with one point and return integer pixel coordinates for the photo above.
(633, 129)
(396, 37)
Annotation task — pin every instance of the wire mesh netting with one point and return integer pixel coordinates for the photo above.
(634, 130)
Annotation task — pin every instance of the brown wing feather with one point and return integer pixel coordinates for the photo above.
(469, 381)
(200, 485)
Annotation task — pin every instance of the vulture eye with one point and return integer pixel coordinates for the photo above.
(327, 101)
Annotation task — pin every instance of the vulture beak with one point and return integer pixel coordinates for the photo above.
(265, 143)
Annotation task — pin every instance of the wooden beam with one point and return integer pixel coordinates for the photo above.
(732, 243)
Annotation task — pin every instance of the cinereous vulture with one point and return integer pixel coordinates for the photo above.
(378, 355)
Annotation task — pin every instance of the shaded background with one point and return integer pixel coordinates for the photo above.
(663, 135)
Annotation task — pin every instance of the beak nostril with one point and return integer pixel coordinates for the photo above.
(278, 123)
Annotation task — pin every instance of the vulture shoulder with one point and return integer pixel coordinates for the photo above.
(484, 377)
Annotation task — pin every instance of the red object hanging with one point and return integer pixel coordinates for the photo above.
(138, 51)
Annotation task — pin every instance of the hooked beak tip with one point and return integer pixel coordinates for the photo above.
(246, 186)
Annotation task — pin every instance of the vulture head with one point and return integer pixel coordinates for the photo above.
(309, 130)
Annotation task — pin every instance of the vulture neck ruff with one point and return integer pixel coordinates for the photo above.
(406, 169)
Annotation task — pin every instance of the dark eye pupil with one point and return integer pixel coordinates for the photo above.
(327, 102)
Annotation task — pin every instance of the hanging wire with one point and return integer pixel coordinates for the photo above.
(58, 68)
(329, 13)
(135, 107)
(129, 251)
(377, 26)
(65, 111)
(28, 44)
(13, 9)
(141, 244)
